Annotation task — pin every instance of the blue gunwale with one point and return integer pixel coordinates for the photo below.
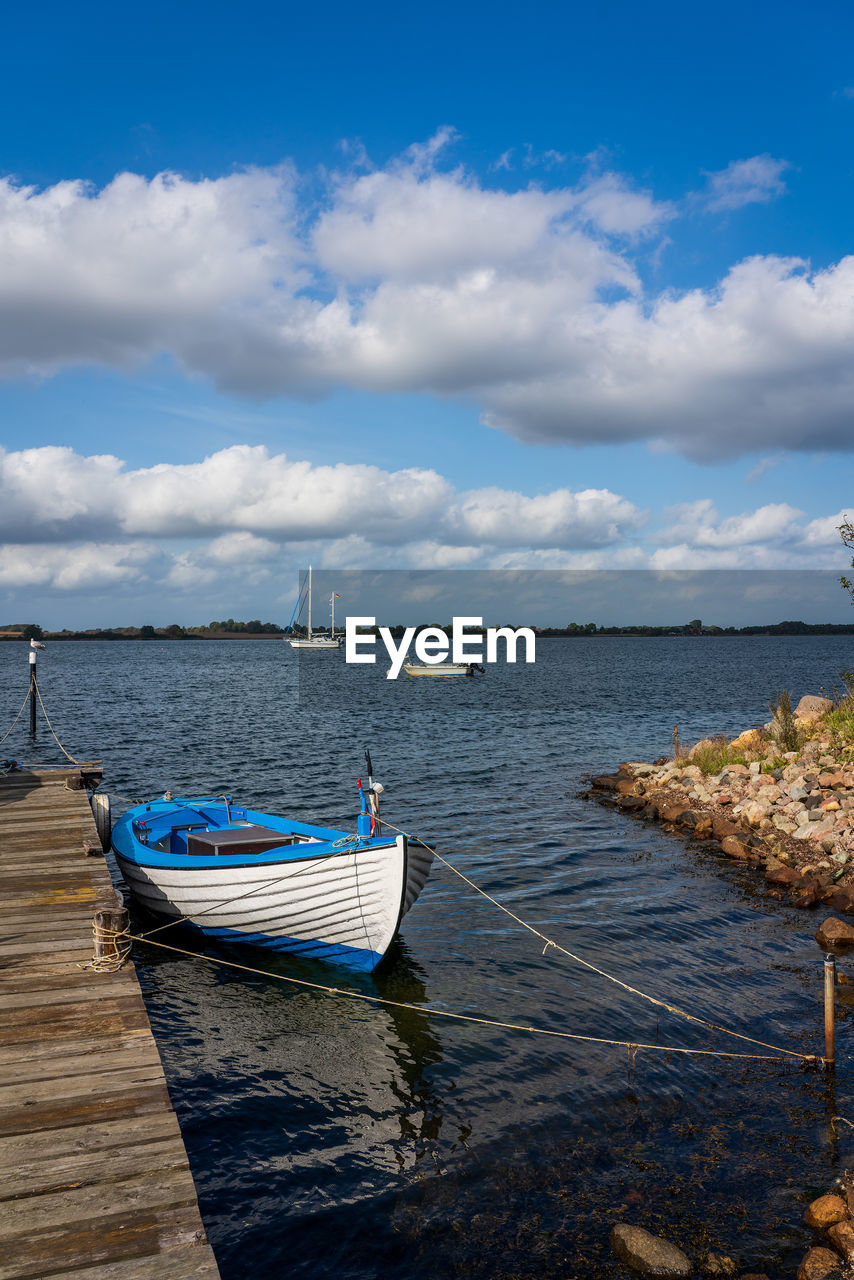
(159, 813)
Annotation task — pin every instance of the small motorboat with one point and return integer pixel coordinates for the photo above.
(250, 877)
(441, 668)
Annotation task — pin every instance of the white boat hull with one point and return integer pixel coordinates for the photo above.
(316, 643)
(344, 907)
(440, 669)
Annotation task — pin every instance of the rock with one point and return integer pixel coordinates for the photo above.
(628, 787)
(833, 934)
(737, 770)
(784, 876)
(750, 740)
(723, 827)
(704, 744)
(821, 1264)
(753, 813)
(639, 768)
(650, 1255)
(825, 1212)
(831, 780)
(838, 899)
(736, 847)
(631, 804)
(840, 857)
(672, 812)
(718, 1264)
(703, 829)
(755, 767)
(605, 782)
(811, 707)
(689, 818)
(841, 1236)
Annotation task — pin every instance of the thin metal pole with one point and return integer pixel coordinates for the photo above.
(829, 1012)
(32, 693)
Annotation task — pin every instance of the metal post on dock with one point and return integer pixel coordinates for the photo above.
(32, 693)
(829, 1012)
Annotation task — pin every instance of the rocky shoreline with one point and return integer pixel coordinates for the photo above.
(789, 814)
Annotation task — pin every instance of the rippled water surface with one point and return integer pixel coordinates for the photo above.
(339, 1138)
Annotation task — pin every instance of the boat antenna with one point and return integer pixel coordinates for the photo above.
(370, 768)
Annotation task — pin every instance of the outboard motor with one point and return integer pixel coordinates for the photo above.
(368, 823)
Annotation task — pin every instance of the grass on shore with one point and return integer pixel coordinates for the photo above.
(714, 754)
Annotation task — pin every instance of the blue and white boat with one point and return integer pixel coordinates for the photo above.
(249, 877)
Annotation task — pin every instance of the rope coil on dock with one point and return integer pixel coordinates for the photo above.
(105, 961)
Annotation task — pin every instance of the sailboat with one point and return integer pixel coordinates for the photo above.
(309, 641)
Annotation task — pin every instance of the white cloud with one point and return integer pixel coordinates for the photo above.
(87, 566)
(698, 525)
(240, 520)
(249, 502)
(417, 277)
(753, 181)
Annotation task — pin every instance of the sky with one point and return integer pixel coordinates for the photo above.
(541, 287)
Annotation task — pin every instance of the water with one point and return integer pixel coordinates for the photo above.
(336, 1138)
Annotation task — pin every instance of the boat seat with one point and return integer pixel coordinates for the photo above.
(238, 840)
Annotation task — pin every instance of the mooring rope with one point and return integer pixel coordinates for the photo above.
(17, 718)
(630, 1046)
(108, 963)
(50, 726)
(778, 1053)
(550, 942)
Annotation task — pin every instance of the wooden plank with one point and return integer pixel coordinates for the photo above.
(183, 1263)
(94, 1139)
(94, 1178)
(131, 1233)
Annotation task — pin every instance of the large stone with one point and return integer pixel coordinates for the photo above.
(750, 740)
(825, 1212)
(841, 1236)
(672, 812)
(812, 707)
(835, 934)
(735, 847)
(821, 1264)
(783, 876)
(606, 782)
(649, 1255)
(724, 827)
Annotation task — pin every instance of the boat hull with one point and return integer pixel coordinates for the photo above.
(315, 644)
(440, 669)
(311, 898)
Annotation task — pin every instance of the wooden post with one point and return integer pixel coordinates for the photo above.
(676, 742)
(109, 921)
(829, 1012)
(32, 693)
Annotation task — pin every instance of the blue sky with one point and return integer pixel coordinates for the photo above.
(476, 286)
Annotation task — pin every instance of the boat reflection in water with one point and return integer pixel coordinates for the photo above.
(314, 1090)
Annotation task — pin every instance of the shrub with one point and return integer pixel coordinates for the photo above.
(784, 730)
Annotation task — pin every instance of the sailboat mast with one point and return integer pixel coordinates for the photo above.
(332, 603)
(309, 602)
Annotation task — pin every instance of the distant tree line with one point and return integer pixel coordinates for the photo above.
(573, 630)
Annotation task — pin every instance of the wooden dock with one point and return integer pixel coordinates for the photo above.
(94, 1178)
